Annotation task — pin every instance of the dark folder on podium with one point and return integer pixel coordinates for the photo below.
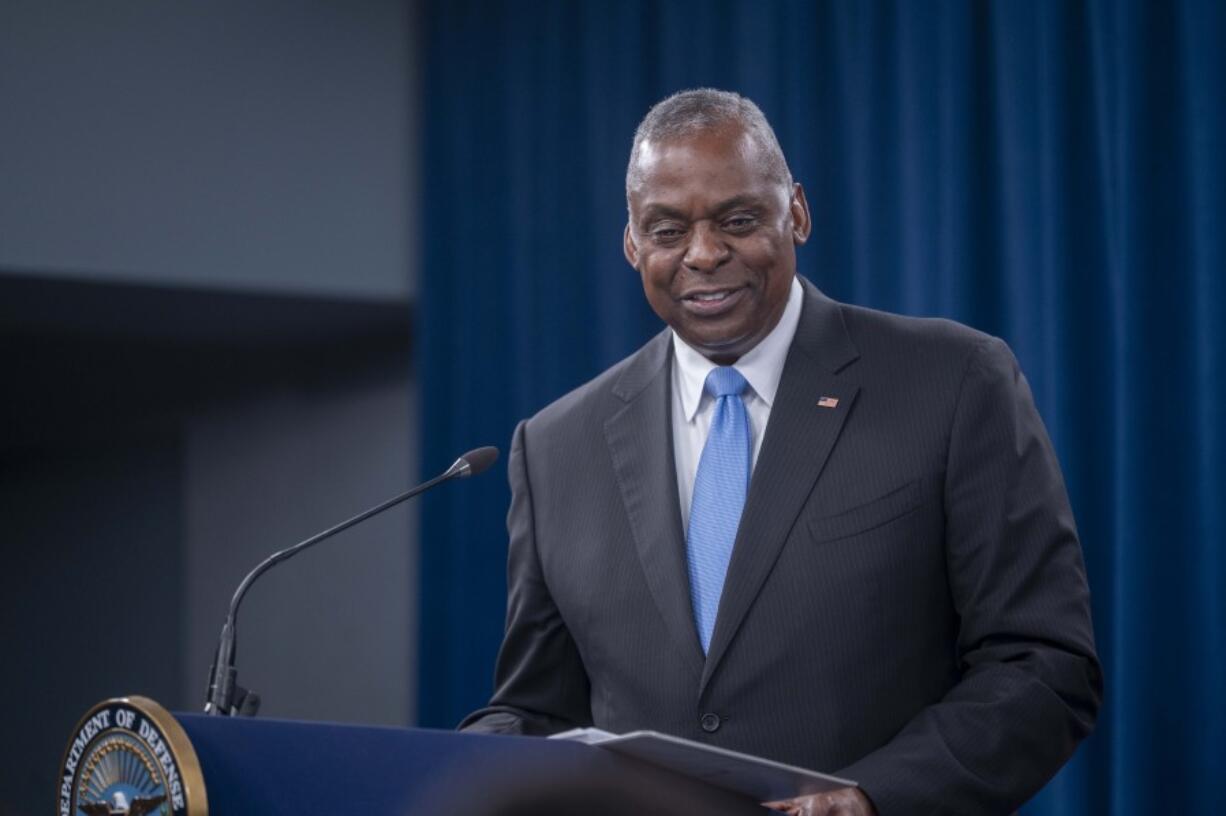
(761, 779)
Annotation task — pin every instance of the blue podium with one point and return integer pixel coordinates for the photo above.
(271, 767)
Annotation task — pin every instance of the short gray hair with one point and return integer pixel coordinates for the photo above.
(698, 110)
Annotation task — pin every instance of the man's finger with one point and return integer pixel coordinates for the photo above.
(817, 805)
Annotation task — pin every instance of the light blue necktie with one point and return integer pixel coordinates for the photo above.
(719, 496)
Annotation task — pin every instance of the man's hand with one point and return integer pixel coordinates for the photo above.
(841, 802)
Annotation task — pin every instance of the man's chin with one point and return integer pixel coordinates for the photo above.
(720, 350)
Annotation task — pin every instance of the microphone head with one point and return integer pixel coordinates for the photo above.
(479, 460)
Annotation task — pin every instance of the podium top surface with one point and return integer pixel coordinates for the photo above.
(286, 766)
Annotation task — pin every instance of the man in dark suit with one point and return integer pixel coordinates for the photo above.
(818, 533)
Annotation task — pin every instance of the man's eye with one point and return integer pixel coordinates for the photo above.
(666, 233)
(739, 223)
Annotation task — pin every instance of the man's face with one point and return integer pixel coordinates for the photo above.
(713, 236)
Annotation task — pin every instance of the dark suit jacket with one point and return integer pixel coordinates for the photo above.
(906, 604)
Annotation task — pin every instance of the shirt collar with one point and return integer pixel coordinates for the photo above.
(761, 366)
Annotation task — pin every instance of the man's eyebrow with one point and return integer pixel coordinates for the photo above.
(665, 211)
(660, 211)
(738, 201)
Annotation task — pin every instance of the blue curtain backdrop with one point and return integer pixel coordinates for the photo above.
(1049, 172)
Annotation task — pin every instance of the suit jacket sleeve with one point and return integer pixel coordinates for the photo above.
(1030, 682)
(540, 684)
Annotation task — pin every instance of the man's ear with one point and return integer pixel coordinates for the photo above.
(629, 247)
(801, 223)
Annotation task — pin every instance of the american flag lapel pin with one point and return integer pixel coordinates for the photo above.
(828, 402)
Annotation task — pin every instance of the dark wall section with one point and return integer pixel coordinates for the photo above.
(143, 472)
(329, 634)
(93, 583)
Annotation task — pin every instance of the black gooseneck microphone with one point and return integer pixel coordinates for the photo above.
(223, 690)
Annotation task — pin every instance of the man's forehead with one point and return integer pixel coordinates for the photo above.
(730, 143)
(712, 159)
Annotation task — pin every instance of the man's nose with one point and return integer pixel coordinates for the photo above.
(706, 250)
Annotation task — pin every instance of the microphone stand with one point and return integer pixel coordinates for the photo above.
(225, 696)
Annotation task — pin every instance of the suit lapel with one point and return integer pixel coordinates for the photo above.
(803, 428)
(640, 443)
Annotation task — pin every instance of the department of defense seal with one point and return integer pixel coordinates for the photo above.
(130, 757)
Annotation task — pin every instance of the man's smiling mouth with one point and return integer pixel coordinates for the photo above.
(712, 301)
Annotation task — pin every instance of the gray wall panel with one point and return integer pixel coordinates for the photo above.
(260, 146)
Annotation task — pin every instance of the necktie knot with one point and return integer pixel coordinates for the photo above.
(725, 381)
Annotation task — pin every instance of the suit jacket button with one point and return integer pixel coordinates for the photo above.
(710, 722)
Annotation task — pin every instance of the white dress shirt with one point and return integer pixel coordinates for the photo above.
(693, 408)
